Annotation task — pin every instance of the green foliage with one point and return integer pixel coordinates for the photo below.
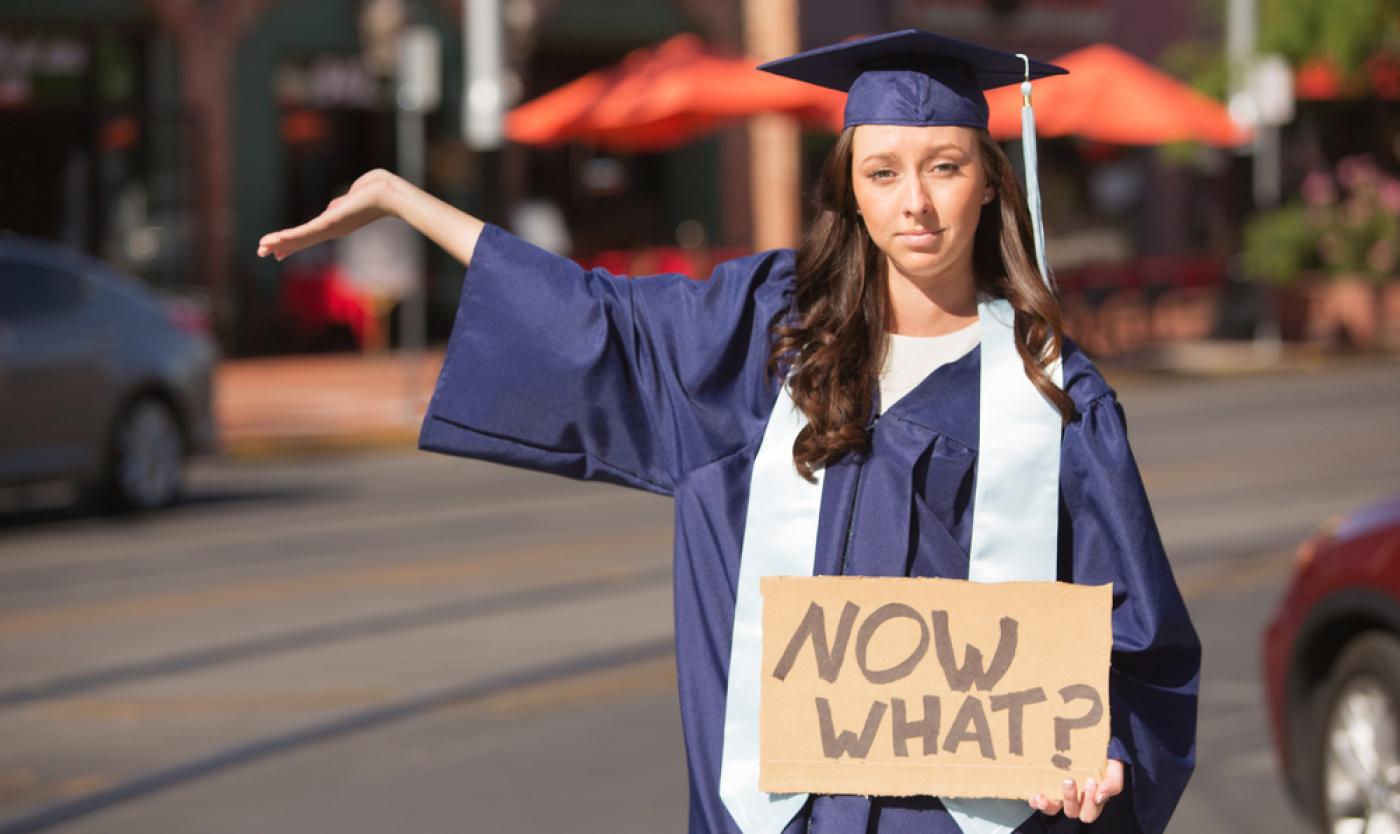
(1345, 31)
(1348, 223)
(1200, 60)
(1278, 245)
(1200, 63)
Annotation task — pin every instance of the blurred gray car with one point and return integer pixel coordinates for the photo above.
(102, 381)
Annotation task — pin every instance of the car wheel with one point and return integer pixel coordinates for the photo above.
(146, 467)
(1356, 755)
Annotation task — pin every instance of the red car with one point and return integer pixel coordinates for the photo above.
(1332, 672)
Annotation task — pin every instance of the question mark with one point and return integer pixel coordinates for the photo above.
(1075, 692)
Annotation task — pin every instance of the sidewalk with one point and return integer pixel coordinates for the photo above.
(339, 402)
(328, 402)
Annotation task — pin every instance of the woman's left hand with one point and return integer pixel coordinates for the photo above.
(1084, 806)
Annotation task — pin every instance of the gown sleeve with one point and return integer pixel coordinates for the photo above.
(1154, 674)
(590, 375)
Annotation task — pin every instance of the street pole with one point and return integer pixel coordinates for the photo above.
(1261, 96)
(484, 93)
(1242, 36)
(417, 91)
(775, 162)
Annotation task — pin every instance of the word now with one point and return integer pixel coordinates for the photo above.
(831, 655)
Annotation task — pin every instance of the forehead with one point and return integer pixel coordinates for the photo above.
(910, 139)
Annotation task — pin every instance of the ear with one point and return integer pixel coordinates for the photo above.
(988, 195)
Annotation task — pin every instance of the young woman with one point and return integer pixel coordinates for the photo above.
(876, 333)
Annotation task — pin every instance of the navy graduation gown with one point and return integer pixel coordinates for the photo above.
(660, 383)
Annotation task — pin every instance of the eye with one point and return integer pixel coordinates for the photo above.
(947, 167)
(876, 175)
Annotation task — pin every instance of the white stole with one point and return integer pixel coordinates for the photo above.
(1014, 537)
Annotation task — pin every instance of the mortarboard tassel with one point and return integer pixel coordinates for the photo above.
(1028, 148)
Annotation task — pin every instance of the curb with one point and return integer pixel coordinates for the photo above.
(1215, 361)
(1232, 360)
(273, 447)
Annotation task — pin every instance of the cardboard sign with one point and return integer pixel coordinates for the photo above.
(944, 687)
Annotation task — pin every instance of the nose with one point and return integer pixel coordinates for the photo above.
(917, 201)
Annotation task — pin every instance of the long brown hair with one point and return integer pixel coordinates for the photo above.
(836, 347)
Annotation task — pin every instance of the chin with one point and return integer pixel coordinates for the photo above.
(921, 265)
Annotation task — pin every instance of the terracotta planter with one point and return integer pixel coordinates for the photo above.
(1344, 312)
(1390, 314)
(1184, 314)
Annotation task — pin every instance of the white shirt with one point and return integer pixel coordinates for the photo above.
(909, 359)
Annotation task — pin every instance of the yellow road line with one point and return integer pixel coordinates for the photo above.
(649, 677)
(35, 792)
(179, 534)
(394, 576)
(183, 706)
(1200, 583)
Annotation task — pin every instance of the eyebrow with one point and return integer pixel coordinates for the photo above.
(890, 156)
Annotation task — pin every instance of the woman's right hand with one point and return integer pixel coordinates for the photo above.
(370, 198)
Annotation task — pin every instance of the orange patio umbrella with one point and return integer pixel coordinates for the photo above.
(664, 96)
(1111, 96)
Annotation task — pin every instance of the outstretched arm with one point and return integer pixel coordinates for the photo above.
(377, 194)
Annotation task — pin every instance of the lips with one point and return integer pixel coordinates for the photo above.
(921, 235)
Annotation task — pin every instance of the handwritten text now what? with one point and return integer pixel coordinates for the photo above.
(969, 724)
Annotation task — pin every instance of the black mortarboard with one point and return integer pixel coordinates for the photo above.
(911, 77)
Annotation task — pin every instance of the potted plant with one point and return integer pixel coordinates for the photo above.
(1338, 250)
(1278, 253)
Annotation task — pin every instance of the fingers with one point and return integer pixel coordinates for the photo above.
(289, 241)
(366, 201)
(1044, 805)
(1112, 781)
(1089, 808)
(1096, 796)
(1071, 798)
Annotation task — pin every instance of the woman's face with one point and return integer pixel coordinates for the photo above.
(920, 191)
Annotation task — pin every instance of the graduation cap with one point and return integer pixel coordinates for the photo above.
(918, 78)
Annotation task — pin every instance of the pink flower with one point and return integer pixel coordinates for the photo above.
(1390, 195)
(1354, 170)
(1318, 189)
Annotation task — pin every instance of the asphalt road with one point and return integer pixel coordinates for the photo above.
(401, 641)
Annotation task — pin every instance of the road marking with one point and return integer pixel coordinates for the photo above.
(32, 790)
(16, 779)
(183, 706)
(259, 749)
(429, 572)
(1249, 763)
(654, 677)
(1237, 574)
(568, 591)
(174, 536)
